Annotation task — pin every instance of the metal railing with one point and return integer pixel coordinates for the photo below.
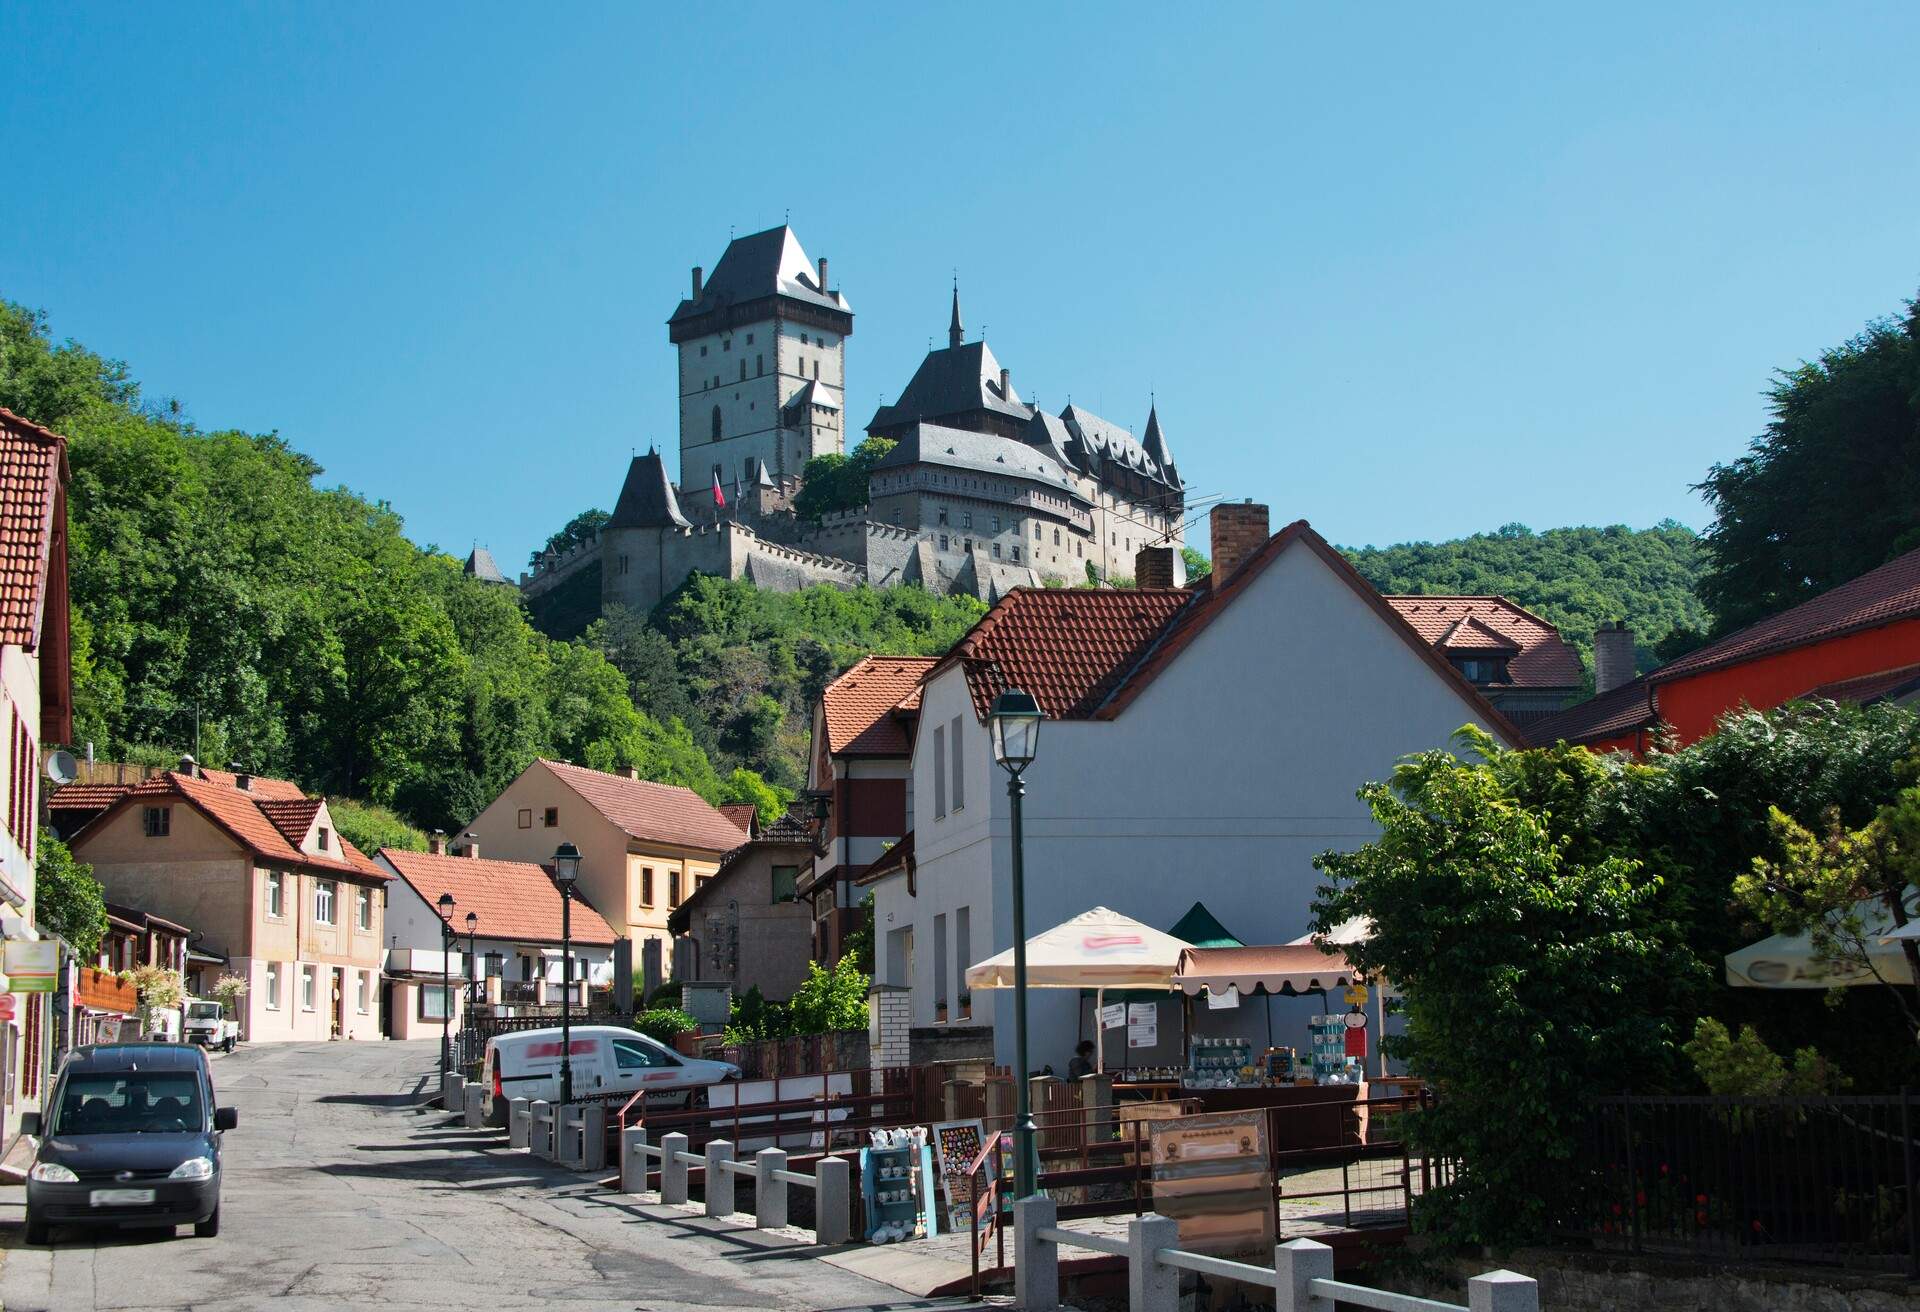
(1301, 1276)
(831, 1181)
(1827, 1180)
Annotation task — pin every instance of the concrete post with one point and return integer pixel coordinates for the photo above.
(673, 1171)
(1503, 1291)
(769, 1192)
(453, 1092)
(593, 1137)
(1152, 1286)
(633, 1160)
(1296, 1265)
(1036, 1261)
(1096, 1103)
(476, 1108)
(999, 1102)
(540, 1128)
(832, 1201)
(519, 1122)
(566, 1134)
(950, 1092)
(719, 1178)
(1039, 1102)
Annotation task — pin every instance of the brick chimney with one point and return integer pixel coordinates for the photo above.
(437, 843)
(823, 273)
(628, 772)
(696, 282)
(241, 778)
(1612, 656)
(1159, 567)
(1006, 384)
(189, 767)
(1237, 531)
(470, 845)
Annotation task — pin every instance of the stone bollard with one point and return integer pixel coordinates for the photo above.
(540, 1128)
(769, 1190)
(566, 1134)
(832, 1201)
(476, 1108)
(519, 1122)
(1152, 1286)
(673, 1171)
(1036, 1261)
(719, 1178)
(593, 1137)
(1503, 1291)
(633, 1160)
(453, 1092)
(1296, 1265)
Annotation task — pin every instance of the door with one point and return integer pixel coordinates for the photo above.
(339, 978)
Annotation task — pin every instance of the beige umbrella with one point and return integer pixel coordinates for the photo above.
(1787, 961)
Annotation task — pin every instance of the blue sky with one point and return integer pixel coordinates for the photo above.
(1403, 273)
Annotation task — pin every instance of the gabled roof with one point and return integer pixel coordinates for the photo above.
(1888, 685)
(1103, 443)
(647, 499)
(86, 797)
(898, 857)
(1882, 596)
(33, 470)
(1619, 711)
(243, 816)
(481, 565)
(741, 814)
(789, 831)
(1538, 657)
(953, 381)
(514, 900)
(661, 813)
(981, 453)
(1085, 655)
(859, 707)
(759, 265)
(292, 819)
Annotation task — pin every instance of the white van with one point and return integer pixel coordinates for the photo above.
(606, 1059)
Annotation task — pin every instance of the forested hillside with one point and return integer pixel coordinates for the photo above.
(1576, 577)
(224, 604)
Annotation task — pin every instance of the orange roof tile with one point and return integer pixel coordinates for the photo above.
(859, 705)
(513, 899)
(742, 814)
(243, 815)
(32, 471)
(86, 797)
(292, 819)
(1538, 656)
(662, 813)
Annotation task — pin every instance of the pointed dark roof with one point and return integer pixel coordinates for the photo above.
(761, 265)
(1202, 929)
(955, 333)
(646, 498)
(481, 565)
(1156, 442)
(959, 380)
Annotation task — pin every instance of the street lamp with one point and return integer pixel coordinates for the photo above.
(446, 983)
(566, 869)
(1015, 720)
(473, 960)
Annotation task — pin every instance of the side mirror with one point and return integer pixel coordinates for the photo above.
(225, 1118)
(30, 1124)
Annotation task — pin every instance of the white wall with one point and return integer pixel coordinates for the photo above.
(1220, 783)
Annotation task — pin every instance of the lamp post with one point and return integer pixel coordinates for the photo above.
(446, 983)
(566, 869)
(473, 961)
(1016, 720)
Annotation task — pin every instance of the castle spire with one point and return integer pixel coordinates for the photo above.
(954, 331)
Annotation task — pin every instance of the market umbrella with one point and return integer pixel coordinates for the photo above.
(1787, 961)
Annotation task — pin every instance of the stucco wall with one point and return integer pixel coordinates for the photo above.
(774, 939)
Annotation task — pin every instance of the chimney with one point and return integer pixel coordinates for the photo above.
(1612, 656)
(241, 778)
(1159, 567)
(823, 273)
(437, 843)
(470, 845)
(189, 767)
(696, 282)
(1237, 531)
(1006, 385)
(628, 772)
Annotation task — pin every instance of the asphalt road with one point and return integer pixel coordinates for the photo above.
(339, 1193)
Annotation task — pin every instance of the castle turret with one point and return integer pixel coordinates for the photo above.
(955, 333)
(1155, 444)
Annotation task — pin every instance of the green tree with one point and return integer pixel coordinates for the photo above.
(830, 1000)
(582, 528)
(370, 827)
(67, 899)
(1198, 566)
(1831, 488)
(833, 483)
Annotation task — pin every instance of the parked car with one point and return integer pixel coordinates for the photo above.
(131, 1138)
(606, 1059)
(208, 1025)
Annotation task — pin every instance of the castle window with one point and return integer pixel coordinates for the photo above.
(1056, 537)
(703, 350)
(749, 339)
(996, 523)
(816, 368)
(726, 344)
(896, 516)
(1037, 531)
(716, 473)
(943, 542)
(996, 551)
(966, 519)
(715, 424)
(943, 517)
(759, 365)
(743, 371)
(1016, 555)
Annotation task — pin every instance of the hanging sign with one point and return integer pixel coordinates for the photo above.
(1113, 1016)
(1356, 995)
(1142, 1013)
(33, 966)
(1228, 997)
(956, 1143)
(1143, 1036)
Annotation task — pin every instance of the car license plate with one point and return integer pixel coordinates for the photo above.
(121, 1197)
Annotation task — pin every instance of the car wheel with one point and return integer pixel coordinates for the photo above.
(229, 1044)
(208, 1228)
(38, 1232)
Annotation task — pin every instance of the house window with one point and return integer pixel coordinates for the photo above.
(726, 344)
(714, 419)
(646, 886)
(434, 1002)
(783, 881)
(749, 339)
(1016, 555)
(959, 776)
(157, 821)
(939, 771)
(966, 519)
(743, 371)
(306, 988)
(273, 986)
(323, 890)
(940, 968)
(550, 817)
(1482, 669)
(759, 365)
(360, 991)
(320, 838)
(962, 957)
(941, 513)
(943, 542)
(363, 907)
(276, 894)
(525, 818)
(996, 550)
(673, 888)
(816, 368)
(895, 516)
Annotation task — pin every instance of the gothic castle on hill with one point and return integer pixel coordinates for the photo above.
(981, 493)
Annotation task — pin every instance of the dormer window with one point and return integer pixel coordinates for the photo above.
(320, 838)
(1482, 669)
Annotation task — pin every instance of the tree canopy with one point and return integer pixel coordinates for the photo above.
(582, 528)
(835, 482)
(1831, 489)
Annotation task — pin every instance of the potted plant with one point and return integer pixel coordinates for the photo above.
(966, 1004)
(940, 1011)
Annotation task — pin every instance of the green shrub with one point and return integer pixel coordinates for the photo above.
(664, 1024)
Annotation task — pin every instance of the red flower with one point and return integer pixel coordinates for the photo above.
(1663, 1168)
(1640, 1199)
(1616, 1209)
(1700, 1199)
(1756, 1225)
(1701, 1217)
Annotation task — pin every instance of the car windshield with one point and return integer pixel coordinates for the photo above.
(129, 1102)
(204, 1010)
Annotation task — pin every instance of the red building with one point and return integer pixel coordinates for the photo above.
(1859, 642)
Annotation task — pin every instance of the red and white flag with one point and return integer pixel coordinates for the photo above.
(719, 497)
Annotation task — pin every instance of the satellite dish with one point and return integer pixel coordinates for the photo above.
(62, 769)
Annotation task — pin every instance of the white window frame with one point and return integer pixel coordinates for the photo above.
(363, 908)
(325, 891)
(362, 991)
(273, 986)
(276, 908)
(308, 988)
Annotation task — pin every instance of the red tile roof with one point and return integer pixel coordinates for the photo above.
(1538, 657)
(275, 790)
(292, 819)
(1871, 687)
(513, 899)
(32, 473)
(1622, 710)
(243, 816)
(742, 814)
(859, 706)
(661, 813)
(1881, 596)
(86, 797)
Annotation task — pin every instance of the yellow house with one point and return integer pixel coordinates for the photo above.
(258, 867)
(644, 847)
